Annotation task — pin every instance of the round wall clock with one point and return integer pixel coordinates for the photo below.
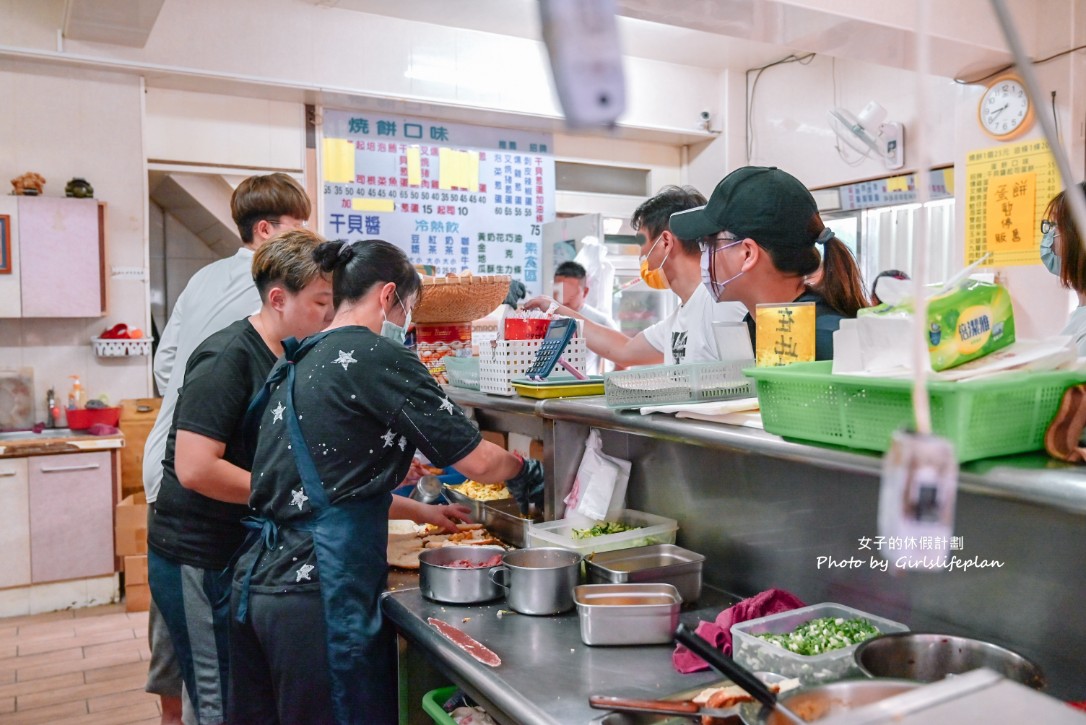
(1005, 110)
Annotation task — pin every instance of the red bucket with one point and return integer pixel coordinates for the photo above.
(84, 418)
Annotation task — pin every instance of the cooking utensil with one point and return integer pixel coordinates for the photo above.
(540, 580)
(686, 708)
(926, 657)
(427, 489)
(729, 668)
(458, 585)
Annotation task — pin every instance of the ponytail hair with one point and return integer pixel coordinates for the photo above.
(357, 266)
(841, 284)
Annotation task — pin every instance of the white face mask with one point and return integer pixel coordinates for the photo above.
(716, 288)
(390, 329)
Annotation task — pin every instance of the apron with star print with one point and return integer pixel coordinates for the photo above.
(350, 540)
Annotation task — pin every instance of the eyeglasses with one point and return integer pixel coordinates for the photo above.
(720, 241)
(276, 223)
(1048, 225)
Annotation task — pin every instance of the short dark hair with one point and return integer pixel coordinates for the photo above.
(654, 213)
(571, 269)
(267, 197)
(357, 266)
(287, 259)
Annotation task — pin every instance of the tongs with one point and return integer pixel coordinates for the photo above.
(682, 708)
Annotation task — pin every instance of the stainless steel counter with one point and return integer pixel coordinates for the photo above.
(546, 674)
(767, 512)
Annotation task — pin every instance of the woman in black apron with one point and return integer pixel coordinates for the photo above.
(340, 421)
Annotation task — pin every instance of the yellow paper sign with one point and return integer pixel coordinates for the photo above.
(785, 333)
(414, 166)
(993, 177)
(897, 183)
(373, 205)
(338, 161)
(458, 169)
(1011, 206)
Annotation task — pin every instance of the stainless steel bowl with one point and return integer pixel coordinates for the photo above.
(820, 701)
(458, 585)
(931, 657)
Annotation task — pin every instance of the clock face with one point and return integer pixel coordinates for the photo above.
(1005, 108)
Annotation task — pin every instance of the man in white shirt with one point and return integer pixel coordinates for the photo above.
(221, 293)
(570, 288)
(686, 335)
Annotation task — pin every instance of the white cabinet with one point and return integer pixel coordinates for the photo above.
(14, 523)
(71, 516)
(57, 258)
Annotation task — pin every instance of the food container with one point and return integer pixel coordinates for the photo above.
(656, 563)
(654, 530)
(83, 418)
(436, 342)
(526, 328)
(931, 657)
(458, 585)
(755, 653)
(538, 581)
(627, 613)
(501, 518)
(816, 703)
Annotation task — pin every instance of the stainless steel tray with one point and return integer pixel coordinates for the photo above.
(502, 518)
(626, 614)
(662, 563)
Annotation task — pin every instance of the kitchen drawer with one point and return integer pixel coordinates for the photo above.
(14, 523)
(71, 516)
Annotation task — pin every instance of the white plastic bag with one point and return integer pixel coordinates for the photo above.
(599, 489)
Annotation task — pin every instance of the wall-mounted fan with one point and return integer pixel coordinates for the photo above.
(870, 132)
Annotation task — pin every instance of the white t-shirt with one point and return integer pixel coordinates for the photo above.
(593, 363)
(686, 335)
(1076, 328)
(217, 295)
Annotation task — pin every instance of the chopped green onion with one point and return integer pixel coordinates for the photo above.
(823, 635)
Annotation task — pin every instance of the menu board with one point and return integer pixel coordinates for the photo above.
(1008, 189)
(452, 196)
(895, 190)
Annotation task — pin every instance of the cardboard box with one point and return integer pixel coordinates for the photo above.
(130, 529)
(137, 593)
(494, 437)
(137, 418)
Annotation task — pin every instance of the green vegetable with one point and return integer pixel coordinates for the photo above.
(603, 529)
(823, 634)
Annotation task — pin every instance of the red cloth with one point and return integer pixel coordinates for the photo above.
(718, 633)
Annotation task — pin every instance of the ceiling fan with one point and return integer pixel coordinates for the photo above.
(870, 133)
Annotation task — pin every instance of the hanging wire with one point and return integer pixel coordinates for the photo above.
(1007, 67)
(750, 90)
(920, 356)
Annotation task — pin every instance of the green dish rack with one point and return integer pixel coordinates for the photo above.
(432, 703)
(983, 418)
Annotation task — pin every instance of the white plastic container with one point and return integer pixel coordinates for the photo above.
(755, 653)
(653, 530)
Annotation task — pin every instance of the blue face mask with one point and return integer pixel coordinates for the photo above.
(1049, 257)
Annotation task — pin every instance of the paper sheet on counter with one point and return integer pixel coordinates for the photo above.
(742, 411)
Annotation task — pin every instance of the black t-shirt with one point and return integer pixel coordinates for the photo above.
(221, 377)
(827, 321)
(364, 404)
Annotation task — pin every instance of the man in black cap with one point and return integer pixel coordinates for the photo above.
(759, 235)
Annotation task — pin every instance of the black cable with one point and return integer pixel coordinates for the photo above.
(1055, 117)
(1011, 65)
(803, 59)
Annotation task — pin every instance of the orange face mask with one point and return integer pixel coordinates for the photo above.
(654, 278)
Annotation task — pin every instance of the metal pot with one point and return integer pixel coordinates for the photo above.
(815, 703)
(931, 657)
(458, 585)
(539, 580)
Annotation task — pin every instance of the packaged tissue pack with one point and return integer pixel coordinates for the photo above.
(968, 321)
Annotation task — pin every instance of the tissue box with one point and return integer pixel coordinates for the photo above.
(969, 321)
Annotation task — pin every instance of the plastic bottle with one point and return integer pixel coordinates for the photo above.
(76, 396)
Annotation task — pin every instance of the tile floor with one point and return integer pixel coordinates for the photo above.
(78, 667)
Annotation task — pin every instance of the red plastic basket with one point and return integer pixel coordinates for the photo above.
(84, 418)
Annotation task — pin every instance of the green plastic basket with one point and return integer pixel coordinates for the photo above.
(432, 702)
(984, 418)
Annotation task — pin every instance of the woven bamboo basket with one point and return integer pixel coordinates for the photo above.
(459, 298)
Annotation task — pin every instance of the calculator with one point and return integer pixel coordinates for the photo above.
(559, 333)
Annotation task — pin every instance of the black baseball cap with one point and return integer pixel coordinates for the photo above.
(763, 203)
